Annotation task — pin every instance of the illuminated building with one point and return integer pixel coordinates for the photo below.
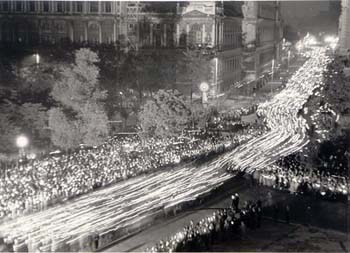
(167, 27)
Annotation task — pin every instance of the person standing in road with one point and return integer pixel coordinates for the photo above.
(259, 213)
(233, 201)
(236, 201)
(308, 215)
(275, 212)
(287, 213)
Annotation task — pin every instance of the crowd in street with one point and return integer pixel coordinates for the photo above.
(231, 120)
(38, 183)
(222, 225)
(300, 180)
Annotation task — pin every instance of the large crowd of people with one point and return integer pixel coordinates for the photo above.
(300, 180)
(231, 120)
(35, 184)
(222, 225)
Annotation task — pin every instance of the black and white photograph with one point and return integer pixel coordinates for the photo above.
(174, 126)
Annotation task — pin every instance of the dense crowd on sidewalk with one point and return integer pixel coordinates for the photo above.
(231, 120)
(222, 225)
(300, 180)
(38, 183)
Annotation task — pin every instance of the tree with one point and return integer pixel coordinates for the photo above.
(81, 103)
(201, 114)
(33, 118)
(65, 132)
(29, 119)
(79, 82)
(194, 67)
(37, 78)
(128, 105)
(337, 88)
(166, 114)
(9, 131)
(147, 73)
(95, 123)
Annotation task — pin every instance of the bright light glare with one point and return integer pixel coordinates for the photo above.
(22, 141)
(310, 40)
(299, 46)
(331, 39)
(37, 58)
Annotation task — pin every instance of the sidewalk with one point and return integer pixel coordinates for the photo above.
(281, 237)
(329, 215)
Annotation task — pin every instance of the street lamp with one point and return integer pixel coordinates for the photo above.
(216, 70)
(121, 99)
(22, 142)
(37, 58)
(288, 58)
(204, 87)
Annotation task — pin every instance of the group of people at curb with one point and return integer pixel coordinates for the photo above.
(35, 184)
(221, 226)
(299, 180)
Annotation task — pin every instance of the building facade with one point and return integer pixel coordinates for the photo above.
(344, 28)
(33, 22)
(262, 41)
(227, 29)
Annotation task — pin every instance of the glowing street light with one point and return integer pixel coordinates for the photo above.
(288, 58)
(204, 87)
(299, 45)
(37, 58)
(22, 141)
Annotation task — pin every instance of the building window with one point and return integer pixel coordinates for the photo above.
(18, 6)
(60, 6)
(46, 6)
(93, 7)
(67, 6)
(31, 6)
(108, 7)
(79, 7)
(4, 6)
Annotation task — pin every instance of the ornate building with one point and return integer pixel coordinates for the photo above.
(168, 27)
(56, 21)
(262, 41)
(344, 28)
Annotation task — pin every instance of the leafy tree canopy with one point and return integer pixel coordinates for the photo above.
(166, 114)
(81, 116)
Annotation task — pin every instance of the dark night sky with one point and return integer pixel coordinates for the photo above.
(312, 16)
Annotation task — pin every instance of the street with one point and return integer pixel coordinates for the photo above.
(326, 215)
(288, 129)
(137, 200)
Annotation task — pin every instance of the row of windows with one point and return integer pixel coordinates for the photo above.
(232, 40)
(56, 6)
(229, 65)
(267, 10)
(232, 64)
(265, 34)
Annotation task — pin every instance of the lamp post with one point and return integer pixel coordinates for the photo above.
(216, 80)
(121, 99)
(37, 58)
(204, 87)
(122, 108)
(22, 142)
(288, 60)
